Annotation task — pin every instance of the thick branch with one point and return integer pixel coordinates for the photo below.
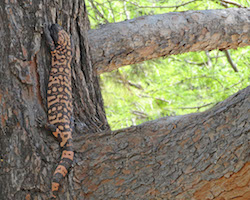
(196, 156)
(148, 37)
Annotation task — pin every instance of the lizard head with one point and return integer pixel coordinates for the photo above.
(59, 36)
(58, 40)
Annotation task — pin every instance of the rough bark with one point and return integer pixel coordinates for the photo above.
(196, 156)
(158, 159)
(129, 42)
(29, 154)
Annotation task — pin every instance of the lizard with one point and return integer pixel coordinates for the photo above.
(59, 99)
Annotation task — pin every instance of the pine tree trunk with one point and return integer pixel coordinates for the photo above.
(196, 156)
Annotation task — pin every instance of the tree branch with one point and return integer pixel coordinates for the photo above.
(98, 12)
(184, 157)
(175, 6)
(232, 3)
(132, 41)
(230, 61)
(196, 107)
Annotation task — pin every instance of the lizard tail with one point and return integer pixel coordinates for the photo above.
(62, 168)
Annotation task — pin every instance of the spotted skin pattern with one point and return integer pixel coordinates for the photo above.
(59, 99)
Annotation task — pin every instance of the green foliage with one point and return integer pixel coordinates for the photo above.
(169, 86)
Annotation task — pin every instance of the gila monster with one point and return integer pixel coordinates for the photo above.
(59, 99)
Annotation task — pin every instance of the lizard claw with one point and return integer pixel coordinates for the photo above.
(40, 122)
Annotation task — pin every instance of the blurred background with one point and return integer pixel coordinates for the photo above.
(174, 85)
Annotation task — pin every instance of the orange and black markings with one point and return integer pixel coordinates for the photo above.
(59, 99)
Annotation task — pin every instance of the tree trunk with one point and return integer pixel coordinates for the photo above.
(148, 37)
(185, 157)
(29, 154)
(196, 156)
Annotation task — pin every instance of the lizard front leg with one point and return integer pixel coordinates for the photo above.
(50, 127)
